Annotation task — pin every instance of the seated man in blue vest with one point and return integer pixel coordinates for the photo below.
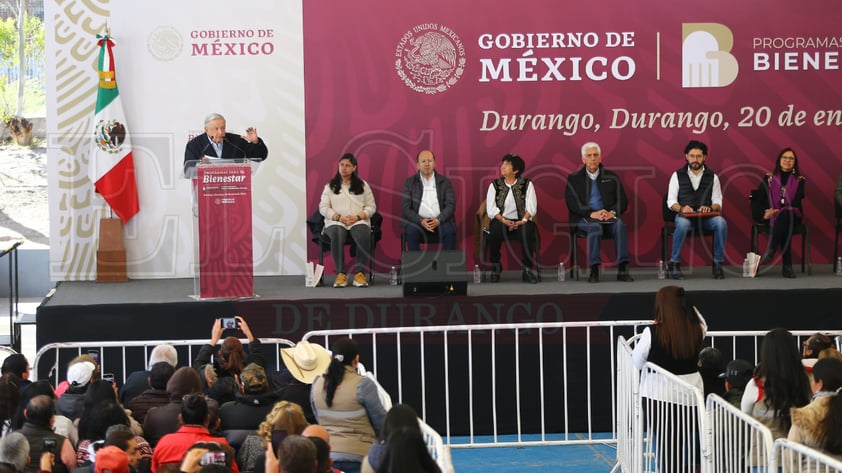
(694, 191)
(595, 199)
(428, 205)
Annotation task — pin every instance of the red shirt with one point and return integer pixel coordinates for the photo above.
(172, 447)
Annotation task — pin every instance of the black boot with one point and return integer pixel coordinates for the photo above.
(674, 270)
(594, 277)
(788, 272)
(718, 273)
(623, 273)
(495, 272)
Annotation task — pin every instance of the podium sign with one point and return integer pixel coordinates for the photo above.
(226, 266)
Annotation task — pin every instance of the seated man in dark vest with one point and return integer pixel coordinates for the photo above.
(694, 192)
(511, 205)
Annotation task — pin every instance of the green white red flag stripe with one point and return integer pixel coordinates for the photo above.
(111, 164)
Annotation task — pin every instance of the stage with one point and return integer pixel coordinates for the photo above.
(283, 308)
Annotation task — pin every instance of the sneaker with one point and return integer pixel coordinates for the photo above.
(341, 280)
(360, 280)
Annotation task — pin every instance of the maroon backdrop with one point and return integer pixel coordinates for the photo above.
(377, 87)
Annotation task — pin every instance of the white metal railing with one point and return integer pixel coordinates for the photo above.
(113, 356)
(738, 441)
(466, 361)
(798, 458)
(673, 422)
(627, 430)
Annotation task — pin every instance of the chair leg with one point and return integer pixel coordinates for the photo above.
(805, 252)
(574, 256)
(836, 248)
(664, 245)
(754, 238)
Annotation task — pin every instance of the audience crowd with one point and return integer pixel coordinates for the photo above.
(302, 418)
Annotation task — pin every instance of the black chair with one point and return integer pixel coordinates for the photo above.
(316, 223)
(838, 209)
(759, 203)
(575, 234)
(668, 230)
(484, 222)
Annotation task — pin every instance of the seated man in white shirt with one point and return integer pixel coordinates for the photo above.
(428, 205)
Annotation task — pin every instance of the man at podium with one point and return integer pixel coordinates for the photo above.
(216, 143)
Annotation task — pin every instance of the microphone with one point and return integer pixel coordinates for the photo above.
(241, 150)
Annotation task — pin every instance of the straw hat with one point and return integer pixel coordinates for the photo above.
(306, 360)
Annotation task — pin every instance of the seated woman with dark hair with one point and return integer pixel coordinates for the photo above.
(231, 357)
(101, 410)
(785, 190)
(406, 452)
(819, 424)
(401, 416)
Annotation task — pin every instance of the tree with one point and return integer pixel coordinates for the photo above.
(21, 39)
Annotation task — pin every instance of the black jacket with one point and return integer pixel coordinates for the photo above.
(578, 193)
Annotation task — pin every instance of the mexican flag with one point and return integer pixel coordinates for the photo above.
(111, 162)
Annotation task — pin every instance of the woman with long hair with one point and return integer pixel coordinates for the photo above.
(785, 190)
(406, 452)
(286, 418)
(101, 410)
(819, 424)
(400, 416)
(674, 339)
(347, 405)
(673, 342)
(347, 205)
(779, 384)
(231, 357)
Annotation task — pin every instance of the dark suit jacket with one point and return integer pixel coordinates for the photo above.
(233, 147)
(578, 193)
(413, 190)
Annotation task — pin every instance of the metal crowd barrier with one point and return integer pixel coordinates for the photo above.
(122, 358)
(798, 458)
(738, 441)
(716, 437)
(555, 369)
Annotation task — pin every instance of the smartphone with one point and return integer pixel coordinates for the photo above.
(95, 355)
(278, 436)
(212, 458)
(108, 377)
(48, 445)
(230, 323)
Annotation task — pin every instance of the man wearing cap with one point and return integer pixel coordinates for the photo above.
(79, 376)
(111, 460)
(242, 416)
(737, 374)
(304, 362)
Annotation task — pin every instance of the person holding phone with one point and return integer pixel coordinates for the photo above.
(231, 357)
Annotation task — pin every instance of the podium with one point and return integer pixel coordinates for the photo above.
(223, 234)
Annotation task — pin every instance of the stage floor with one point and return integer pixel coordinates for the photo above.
(292, 287)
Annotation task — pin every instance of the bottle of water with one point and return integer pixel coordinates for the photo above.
(746, 269)
(662, 272)
(393, 276)
(839, 266)
(477, 274)
(561, 272)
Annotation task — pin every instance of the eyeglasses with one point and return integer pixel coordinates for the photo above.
(787, 158)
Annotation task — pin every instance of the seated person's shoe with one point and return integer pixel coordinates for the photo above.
(623, 273)
(360, 280)
(674, 271)
(594, 276)
(341, 280)
(718, 273)
(529, 276)
(767, 257)
(788, 272)
(495, 276)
